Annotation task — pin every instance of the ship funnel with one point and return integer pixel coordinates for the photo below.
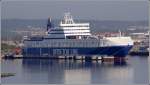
(49, 24)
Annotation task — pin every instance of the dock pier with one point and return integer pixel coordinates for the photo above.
(82, 58)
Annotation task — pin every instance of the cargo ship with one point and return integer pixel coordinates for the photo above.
(74, 39)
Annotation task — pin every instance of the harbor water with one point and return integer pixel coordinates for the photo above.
(48, 71)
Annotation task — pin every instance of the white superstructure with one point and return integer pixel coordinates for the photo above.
(70, 29)
(119, 41)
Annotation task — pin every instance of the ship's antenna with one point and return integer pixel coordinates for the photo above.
(68, 18)
(120, 34)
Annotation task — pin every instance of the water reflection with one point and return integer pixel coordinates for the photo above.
(134, 71)
(69, 71)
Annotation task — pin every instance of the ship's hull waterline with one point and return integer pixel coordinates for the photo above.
(116, 51)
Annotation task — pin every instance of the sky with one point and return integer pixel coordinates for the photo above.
(97, 10)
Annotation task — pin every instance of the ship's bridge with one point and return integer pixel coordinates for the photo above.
(70, 29)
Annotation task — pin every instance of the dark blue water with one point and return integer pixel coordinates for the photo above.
(134, 71)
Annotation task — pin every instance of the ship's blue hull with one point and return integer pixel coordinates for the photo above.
(116, 51)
